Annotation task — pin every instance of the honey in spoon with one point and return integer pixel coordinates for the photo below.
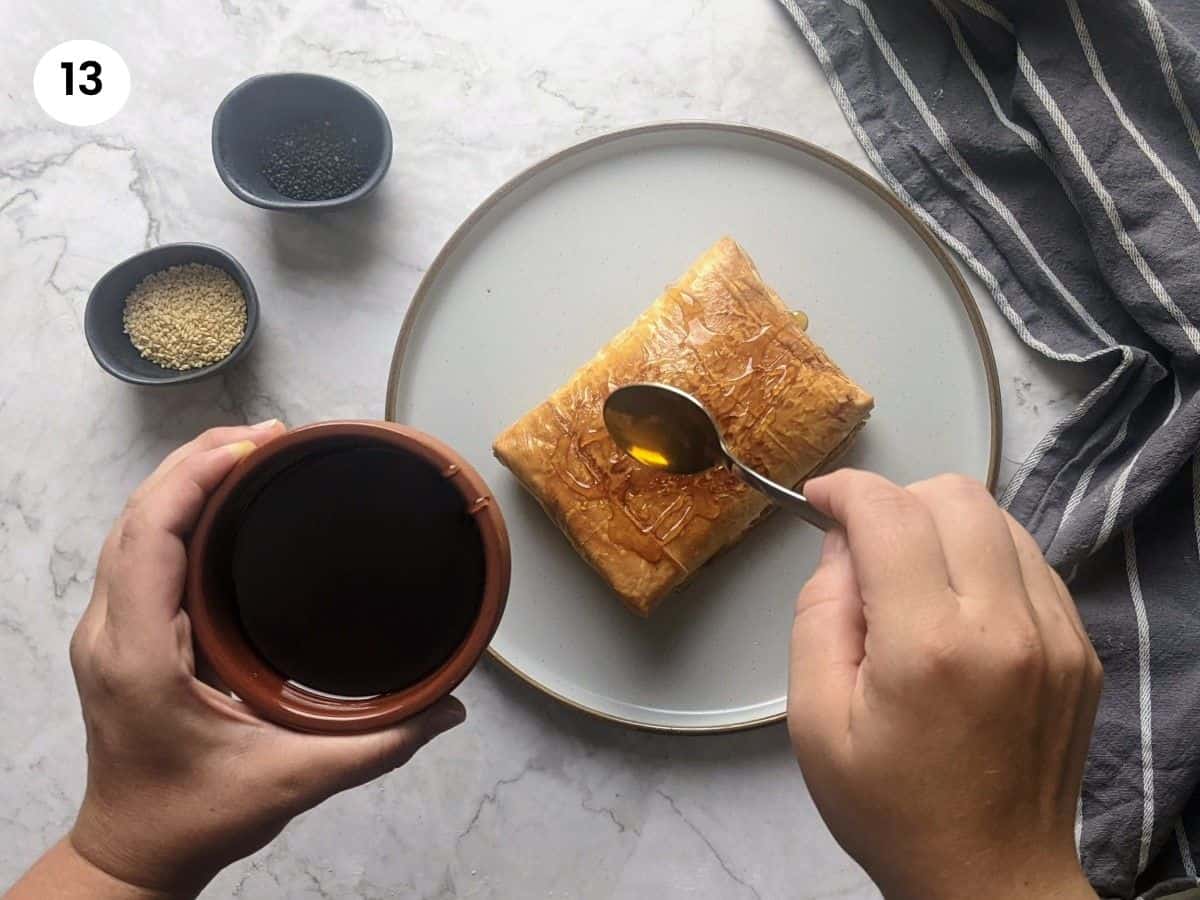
(663, 428)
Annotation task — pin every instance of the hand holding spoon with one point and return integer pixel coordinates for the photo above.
(668, 429)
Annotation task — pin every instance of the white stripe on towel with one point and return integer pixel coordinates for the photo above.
(1145, 717)
(1185, 850)
(1089, 173)
(1031, 140)
(1038, 148)
(981, 271)
(1118, 491)
(1093, 60)
(986, 9)
(1062, 424)
(1085, 479)
(968, 257)
(939, 132)
(1168, 70)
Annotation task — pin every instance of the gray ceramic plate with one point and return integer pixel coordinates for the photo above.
(566, 255)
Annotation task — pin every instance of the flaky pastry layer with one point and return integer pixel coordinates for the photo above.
(723, 335)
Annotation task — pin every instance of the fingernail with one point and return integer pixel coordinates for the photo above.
(263, 426)
(241, 449)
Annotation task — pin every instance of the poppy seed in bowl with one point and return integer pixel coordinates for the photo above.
(297, 141)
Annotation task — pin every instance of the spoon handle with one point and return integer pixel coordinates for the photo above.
(792, 501)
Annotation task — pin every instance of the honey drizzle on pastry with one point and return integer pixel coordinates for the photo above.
(597, 470)
(723, 335)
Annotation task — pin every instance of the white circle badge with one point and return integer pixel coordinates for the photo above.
(81, 82)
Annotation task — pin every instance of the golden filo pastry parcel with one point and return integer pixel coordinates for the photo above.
(721, 334)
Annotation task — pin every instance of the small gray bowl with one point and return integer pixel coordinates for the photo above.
(103, 319)
(265, 105)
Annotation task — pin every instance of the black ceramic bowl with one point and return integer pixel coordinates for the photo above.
(264, 106)
(104, 327)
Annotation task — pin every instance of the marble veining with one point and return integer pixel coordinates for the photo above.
(528, 799)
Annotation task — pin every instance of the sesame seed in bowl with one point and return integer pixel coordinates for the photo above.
(185, 317)
(171, 314)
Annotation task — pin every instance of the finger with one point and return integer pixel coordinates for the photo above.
(107, 559)
(1057, 602)
(319, 766)
(1088, 697)
(827, 648)
(147, 583)
(894, 546)
(981, 558)
(1087, 704)
(218, 437)
(174, 504)
(210, 440)
(1068, 650)
(1067, 602)
(1047, 606)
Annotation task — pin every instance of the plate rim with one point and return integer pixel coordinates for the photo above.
(791, 142)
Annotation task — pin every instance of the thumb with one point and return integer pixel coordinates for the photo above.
(148, 564)
(828, 635)
(320, 766)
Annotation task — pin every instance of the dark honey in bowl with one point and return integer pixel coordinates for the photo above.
(357, 571)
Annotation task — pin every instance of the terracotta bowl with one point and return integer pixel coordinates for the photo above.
(210, 603)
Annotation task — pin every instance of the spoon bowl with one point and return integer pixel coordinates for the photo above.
(668, 429)
(664, 428)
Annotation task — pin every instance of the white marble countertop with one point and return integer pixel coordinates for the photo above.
(528, 799)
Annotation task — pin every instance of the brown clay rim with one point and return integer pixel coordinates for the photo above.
(241, 670)
(776, 137)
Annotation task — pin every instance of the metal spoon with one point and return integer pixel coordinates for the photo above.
(668, 429)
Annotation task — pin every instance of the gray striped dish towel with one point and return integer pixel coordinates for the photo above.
(1053, 144)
